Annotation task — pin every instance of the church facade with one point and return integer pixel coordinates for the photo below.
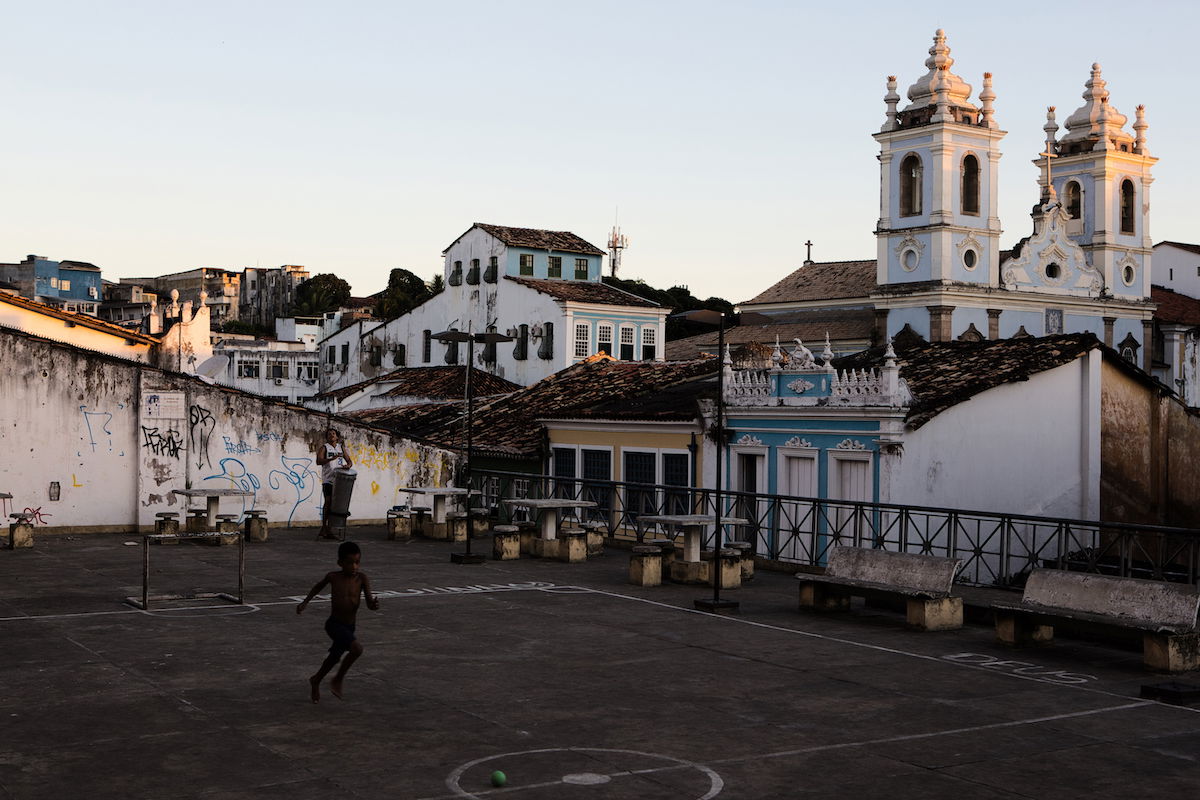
(940, 266)
(941, 269)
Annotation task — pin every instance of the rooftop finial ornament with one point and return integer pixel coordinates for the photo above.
(986, 97)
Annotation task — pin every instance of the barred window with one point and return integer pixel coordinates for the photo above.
(581, 269)
(554, 268)
(526, 263)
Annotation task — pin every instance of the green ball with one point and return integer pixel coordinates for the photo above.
(499, 778)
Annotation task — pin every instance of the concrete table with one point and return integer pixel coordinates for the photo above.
(547, 509)
(441, 496)
(693, 526)
(213, 498)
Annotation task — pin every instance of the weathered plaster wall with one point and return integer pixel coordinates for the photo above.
(116, 438)
(1151, 455)
(1128, 483)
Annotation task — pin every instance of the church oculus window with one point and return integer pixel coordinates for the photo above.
(1128, 274)
(970, 185)
(910, 186)
(909, 259)
(526, 263)
(1128, 198)
(970, 259)
(1074, 200)
(554, 267)
(1053, 271)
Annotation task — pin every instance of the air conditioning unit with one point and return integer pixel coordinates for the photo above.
(279, 381)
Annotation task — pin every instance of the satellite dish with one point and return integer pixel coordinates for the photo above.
(212, 367)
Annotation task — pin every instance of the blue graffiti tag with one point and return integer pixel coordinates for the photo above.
(236, 473)
(303, 479)
(102, 420)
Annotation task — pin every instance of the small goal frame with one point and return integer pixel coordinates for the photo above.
(145, 599)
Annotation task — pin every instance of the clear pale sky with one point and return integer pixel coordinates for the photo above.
(354, 137)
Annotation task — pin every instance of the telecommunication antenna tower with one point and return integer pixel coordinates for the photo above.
(616, 244)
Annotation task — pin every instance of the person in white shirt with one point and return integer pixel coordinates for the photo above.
(331, 455)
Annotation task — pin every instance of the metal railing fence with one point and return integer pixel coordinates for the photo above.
(997, 549)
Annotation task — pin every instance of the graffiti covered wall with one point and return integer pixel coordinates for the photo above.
(96, 443)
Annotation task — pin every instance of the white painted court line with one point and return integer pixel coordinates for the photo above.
(551, 588)
(884, 649)
(458, 792)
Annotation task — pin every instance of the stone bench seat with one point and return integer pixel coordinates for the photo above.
(1165, 613)
(923, 582)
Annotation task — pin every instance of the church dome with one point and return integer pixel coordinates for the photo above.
(1096, 118)
(925, 91)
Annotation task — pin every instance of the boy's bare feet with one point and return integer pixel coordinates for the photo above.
(315, 683)
(335, 686)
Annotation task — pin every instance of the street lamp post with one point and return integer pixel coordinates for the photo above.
(716, 605)
(457, 336)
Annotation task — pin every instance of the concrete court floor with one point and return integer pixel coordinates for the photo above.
(574, 683)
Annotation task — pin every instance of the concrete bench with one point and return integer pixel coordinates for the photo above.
(506, 542)
(645, 565)
(197, 520)
(399, 524)
(421, 519)
(166, 522)
(572, 545)
(729, 567)
(746, 558)
(1165, 613)
(924, 582)
(596, 531)
(457, 526)
(227, 523)
(255, 525)
(669, 551)
(20, 531)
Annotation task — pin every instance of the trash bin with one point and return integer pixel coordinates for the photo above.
(343, 488)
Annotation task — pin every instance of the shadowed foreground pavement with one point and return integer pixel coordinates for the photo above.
(572, 682)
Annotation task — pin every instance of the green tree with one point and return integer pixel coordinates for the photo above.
(677, 298)
(437, 284)
(320, 293)
(404, 292)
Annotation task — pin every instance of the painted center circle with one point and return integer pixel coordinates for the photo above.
(586, 779)
(522, 771)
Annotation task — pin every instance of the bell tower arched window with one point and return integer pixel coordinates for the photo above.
(910, 186)
(1074, 200)
(1128, 199)
(970, 185)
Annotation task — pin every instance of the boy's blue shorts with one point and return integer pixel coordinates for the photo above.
(341, 634)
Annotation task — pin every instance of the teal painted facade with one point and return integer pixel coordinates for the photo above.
(541, 264)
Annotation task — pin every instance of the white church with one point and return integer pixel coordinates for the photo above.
(940, 267)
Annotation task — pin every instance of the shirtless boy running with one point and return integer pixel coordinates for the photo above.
(346, 587)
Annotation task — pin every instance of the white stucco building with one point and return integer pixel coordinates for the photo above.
(542, 288)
